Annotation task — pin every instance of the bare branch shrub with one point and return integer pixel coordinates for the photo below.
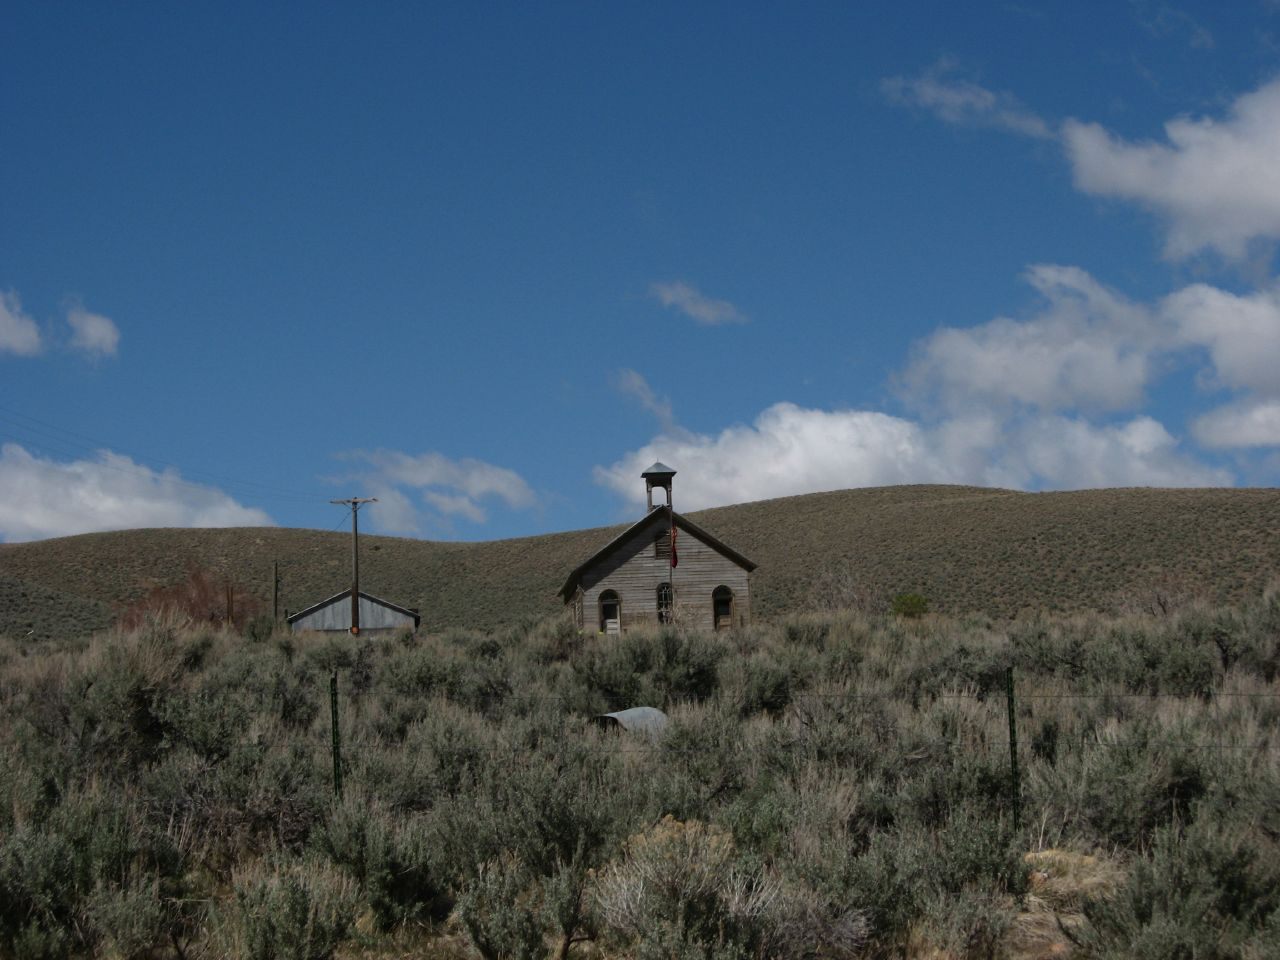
(200, 598)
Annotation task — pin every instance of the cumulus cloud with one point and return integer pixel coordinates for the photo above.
(449, 488)
(18, 332)
(394, 512)
(1074, 454)
(964, 103)
(1053, 401)
(48, 498)
(791, 450)
(1240, 332)
(93, 334)
(787, 450)
(693, 304)
(1251, 423)
(1089, 348)
(1214, 182)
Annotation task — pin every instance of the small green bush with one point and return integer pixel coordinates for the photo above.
(392, 859)
(1202, 892)
(134, 920)
(287, 910)
(499, 906)
(909, 605)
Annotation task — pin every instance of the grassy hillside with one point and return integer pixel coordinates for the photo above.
(965, 548)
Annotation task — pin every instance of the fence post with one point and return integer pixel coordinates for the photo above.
(1014, 784)
(337, 736)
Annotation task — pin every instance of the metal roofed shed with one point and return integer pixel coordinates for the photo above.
(647, 720)
(333, 615)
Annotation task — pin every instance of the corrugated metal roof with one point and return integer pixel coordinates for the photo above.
(346, 595)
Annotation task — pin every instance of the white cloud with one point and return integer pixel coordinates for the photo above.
(1089, 349)
(48, 498)
(18, 332)
(787, 450)
(394, 512)
(450, 487)
(1215, 182)
(1254, 423)
(474, 478)
(1240, 333)
(964, 103)
(455, 505)
(1092, 350)
(792, 450)
(634, 385)
(689, 301)
(93, 333)
(1075, 454)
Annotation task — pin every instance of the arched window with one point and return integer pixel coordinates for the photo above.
(610, 613)
(722, 607)
(666, 603)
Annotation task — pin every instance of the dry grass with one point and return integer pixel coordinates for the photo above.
(966, 549)
(1061, 882)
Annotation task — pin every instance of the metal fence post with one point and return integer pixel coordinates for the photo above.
(1015, 788)
(337, 736)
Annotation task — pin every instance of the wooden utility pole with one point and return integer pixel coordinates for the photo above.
(355, 503)
(275, 589)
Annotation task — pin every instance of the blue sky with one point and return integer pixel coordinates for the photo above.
(486, 262)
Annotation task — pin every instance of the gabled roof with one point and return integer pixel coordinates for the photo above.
(654, 518)
(346, 595)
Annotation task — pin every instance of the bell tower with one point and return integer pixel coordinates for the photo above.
(659, 475)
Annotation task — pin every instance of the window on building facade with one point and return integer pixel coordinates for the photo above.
(722, 607)
(610, 613)
(666, 603)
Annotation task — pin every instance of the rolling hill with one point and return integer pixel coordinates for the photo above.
(967, 549)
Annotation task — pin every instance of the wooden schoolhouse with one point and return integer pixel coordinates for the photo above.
(664, 568)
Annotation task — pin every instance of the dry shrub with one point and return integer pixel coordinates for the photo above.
(679, 885)
(1066, 880)
(202, 597)
(1061, 882)
(683, 890)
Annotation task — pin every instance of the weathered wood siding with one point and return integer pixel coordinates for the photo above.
(634, 573)
(374, 618)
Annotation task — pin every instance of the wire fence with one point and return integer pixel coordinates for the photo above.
(1002, 706)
